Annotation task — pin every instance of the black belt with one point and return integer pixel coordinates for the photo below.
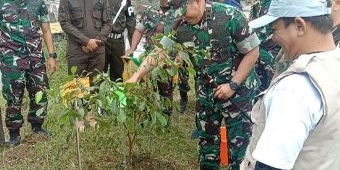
(116, 36)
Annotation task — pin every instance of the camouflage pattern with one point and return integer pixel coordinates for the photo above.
(162, 20)
(336, 35)
(22, 61)
(268, 48)
(183, 82)
(281, 64)
(156, 20)
(221, 40)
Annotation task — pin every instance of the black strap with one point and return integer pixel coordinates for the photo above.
(262, 166)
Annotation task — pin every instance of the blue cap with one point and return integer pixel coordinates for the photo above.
(291, 8)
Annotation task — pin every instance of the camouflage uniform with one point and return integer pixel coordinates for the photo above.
(156, 21)
(82, 21)
(336, 34)
(115, 45)
(268, 48)
(234, 3)
(22, 61)
(228, 40)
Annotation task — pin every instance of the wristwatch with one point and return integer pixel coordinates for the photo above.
(54, 55)
(233, 86)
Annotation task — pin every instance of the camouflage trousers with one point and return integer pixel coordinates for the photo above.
(14, 82)
(238, 134)
(183, 83)
(166, 89)
(265, 69)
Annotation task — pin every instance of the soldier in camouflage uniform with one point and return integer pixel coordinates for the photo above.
(87, 26)
(22, 62)
(268, 48)
(115, 45)
(161, 20)
(225, 54)
(226, 81)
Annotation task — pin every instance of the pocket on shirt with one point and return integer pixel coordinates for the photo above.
(10, 15)
(76, 13)
(98, 8)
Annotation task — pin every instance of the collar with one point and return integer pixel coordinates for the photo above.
(207, 16)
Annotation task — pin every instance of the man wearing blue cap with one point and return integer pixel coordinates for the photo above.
(297, 120)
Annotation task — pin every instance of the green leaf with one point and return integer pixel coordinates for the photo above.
(191, 70)
(40, 111)
(172, 71)
(162, 120)
(121, 98)
(102, 88)
(178, 46)
(121, 117)
(114, 107)
(64, 118)
(99, 103)
(128, 86)
(184, 56)
(189, 44)
(38, 96)
(141, 107)
(74, 70)
(81, 112)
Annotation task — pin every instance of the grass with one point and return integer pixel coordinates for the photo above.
(101, 148)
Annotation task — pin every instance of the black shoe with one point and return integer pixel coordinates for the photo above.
(183, 105)
(41, 131)
(195, 134)
(14, 138)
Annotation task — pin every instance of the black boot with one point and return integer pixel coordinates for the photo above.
(37, 128)
(14, 137)
(168, 113)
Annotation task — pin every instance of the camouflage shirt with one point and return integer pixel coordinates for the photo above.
(155, 21)
(221, 40)
(259, 8)
(20, 24)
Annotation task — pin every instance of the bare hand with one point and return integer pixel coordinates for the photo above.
(133, 79)
(129, 52)
(126, 57)
(92, 45)
(223, 92)
(51, 65)
(85, 49)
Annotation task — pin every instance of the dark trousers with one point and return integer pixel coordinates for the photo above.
(91, 64)
(114, 49)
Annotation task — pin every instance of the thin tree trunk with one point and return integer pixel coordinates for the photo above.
(2, 135)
